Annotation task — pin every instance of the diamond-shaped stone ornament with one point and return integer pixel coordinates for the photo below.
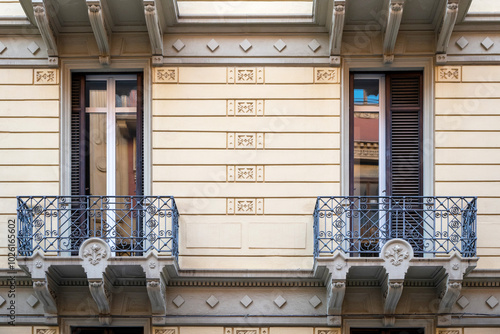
(280, 45)
(2, 47)
(487, 43)
(178, 301)
(178, 45)
(315, 301)
(2, 300)
(245, 45)
(32, 301)
(462, 42)
(33, 47)
(213, 45)
(492, 302)
(463, 302)
(314, 45)
(246, 301)
(280, 301)
(212, 301)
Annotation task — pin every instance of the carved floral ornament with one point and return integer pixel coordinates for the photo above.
(45, 77)
(163, 330)
(94, 254)
(396, 255)
(449, 331)
(46, 330)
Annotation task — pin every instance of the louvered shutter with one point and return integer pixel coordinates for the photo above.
(404, 154)
(79, 168)
(140, 137)
(78, 129)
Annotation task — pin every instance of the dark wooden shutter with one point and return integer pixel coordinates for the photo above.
(79, 163)
(404, 134)
(140, 137)
(78, 133)
(404, 156)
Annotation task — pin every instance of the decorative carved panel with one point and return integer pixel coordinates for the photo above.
(326, 75)
(245, 75)
(449, 331)
(245, 173)
(449, 74)
(245, 107)
(166, 75)
(245, 206)
(46, 77)
(245, 140)
(165, 330)
(46, 330)
(242, 330)
(327, 331)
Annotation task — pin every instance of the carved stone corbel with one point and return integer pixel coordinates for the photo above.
(101, 295)
(337, 28)
(157, 296)
(450, 17)
(154, 30)
(45, 295)
(98, 25)
(450, 291)
(335, 297)
(392, 294)
(392, 29)
(48, 36)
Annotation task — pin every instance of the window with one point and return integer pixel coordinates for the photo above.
(386, 155)
(106, 135)
(107, 159)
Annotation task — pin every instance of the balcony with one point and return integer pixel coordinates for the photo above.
(130, 225)
(360, 226)
(394, 242)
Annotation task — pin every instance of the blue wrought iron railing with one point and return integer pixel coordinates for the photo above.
(131, 225)
(360, 226)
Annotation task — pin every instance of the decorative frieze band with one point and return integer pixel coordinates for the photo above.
(245, 140)
(245, 107)
(245, 206)
(449, 74)
(245, 173)
(45, 77)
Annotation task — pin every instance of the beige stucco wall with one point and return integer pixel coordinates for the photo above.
(467, 140)
(29, 140)
(245, 152)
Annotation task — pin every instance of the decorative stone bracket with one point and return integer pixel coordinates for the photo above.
(155, 284)
(397, 254)
(48, 36)
(98, 24)
(46, 295)
(392, 29)
(336, 31)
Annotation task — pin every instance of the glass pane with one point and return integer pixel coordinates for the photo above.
(366, 137)
(97, 153)
(126, 145)
(96, 94)
(484, 6)
(126, 93)
(366, 161)
(245, 8)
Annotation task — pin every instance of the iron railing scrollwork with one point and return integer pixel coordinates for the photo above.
(131, 225)
(360, 226)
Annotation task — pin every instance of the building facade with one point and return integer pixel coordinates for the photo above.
(249, 167)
